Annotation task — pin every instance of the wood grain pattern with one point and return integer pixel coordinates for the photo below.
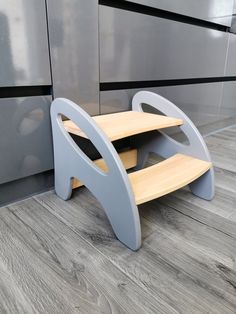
(62, 257)
(166, 176)
(76, 276)
(129, 159)
(123, 124)
(153, 267)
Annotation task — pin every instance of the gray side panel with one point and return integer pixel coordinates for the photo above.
(217, 11)
(228, 104)
(231, 57)
(135, 47)
(25, 142)
(111, 188)
(199, 101)
(73, 34)
(24, 43)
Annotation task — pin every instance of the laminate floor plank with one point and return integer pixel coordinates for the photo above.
(80, 277)
(226, 180)
(178, 202)
(151, 267)
(208, 241)
(223, 204)
(31, 286)
(222, 147)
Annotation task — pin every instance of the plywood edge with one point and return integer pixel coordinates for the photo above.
(129, 159)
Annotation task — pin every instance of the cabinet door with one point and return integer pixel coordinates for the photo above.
(23, 43)
(231, 56)
(228, 104)
(137, 47)
(73, 35)
(26, 140)
(199, 101)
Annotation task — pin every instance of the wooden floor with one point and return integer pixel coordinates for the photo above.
(62, 257)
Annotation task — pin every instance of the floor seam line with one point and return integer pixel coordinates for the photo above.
(111, 261)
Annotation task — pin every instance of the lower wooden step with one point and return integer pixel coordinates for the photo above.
(129, 159)
(166, 176)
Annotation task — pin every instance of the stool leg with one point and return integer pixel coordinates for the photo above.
(124, 220)
(204, 186)
(63, 185)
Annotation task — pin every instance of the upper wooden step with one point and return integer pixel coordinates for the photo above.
(123, 124)
(166, 176)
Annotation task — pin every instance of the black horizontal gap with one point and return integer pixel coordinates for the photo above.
(140, 8)
(25, 91)
(105, 86)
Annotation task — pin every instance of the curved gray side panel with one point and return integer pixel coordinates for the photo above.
(165, 146)
(112, 189)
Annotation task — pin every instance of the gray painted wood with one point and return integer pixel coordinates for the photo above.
(63, 257)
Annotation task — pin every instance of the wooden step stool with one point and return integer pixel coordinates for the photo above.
(118, 192)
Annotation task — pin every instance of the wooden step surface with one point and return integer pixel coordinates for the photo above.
(129, 159)
(123, 124)
(166, 176)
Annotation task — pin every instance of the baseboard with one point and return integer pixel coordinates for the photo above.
(19, 189)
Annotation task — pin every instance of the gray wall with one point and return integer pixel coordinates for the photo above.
(26, 144)
(99, 56)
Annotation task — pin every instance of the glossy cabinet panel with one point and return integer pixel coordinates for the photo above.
(136, 47)
(25, 141)
(73, 35)
(231, 56)
(24, 50)
(228, 104)
(233, 25)
(199, 101)
(217, 11)
(116, 100)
